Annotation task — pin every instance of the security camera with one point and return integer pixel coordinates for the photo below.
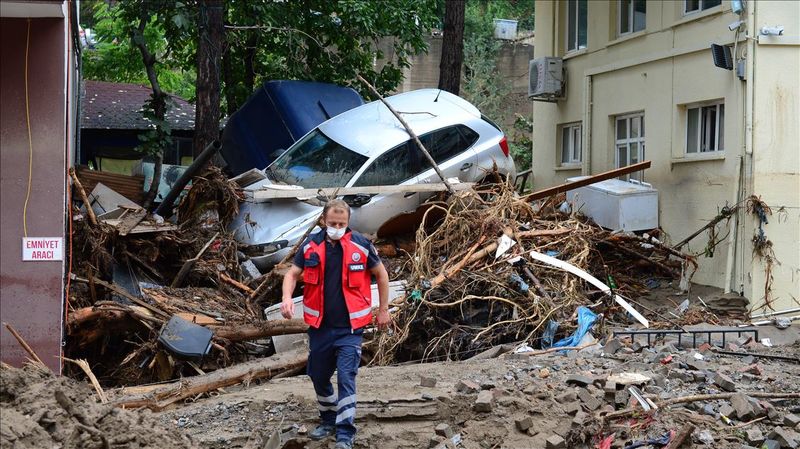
(735, 25)
(771, 31)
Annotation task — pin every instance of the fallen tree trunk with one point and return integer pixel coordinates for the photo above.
(263, 330)
(192, 386)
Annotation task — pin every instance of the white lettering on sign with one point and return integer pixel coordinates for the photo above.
(36, 249)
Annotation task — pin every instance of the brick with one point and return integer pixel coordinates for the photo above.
(724, 382)
(444, 430)
(744, 409)
(577, 379)
(572, 408)
(428, 382)
(704, 347)
(524, 424)
(754, 436)
(580, 419)
(484, 401)
(754, 369)
(555, 442)
(467, 386)
(791, 420)
(591, 402)
(786, 437)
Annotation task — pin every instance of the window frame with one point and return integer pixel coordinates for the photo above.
(702, 129)
(577, 33)
(631, 13)
(639, 140)
(574, 129)
(701, 6)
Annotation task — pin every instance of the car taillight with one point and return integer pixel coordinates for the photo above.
(504, 145)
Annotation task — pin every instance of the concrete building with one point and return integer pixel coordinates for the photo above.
(38, 81)
(640, 84)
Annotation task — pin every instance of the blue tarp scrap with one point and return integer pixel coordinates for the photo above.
(586, 319)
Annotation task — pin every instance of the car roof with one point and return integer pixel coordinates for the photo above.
(371, 129)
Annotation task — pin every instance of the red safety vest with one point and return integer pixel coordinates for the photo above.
(355, 281)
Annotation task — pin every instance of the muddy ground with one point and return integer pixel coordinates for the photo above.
(395, 411)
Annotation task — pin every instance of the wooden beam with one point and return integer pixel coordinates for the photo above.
(539, 194)
(266, 194)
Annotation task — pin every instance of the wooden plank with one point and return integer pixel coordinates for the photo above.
(129, 221)
(140, 228)
(259, 196)
(539, 194)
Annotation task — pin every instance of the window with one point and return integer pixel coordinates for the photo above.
(448, 142)
(690, 6)
(705, 129)
(630, 143)
(576, 24)
(316, 162)
(632, 15)
(393, 167)
(571, 144)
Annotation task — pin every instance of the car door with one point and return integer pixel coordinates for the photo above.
(398, 166)
(451, 148)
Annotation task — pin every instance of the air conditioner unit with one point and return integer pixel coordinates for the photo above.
(546, 79)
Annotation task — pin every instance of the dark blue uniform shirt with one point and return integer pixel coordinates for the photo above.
(335, 313)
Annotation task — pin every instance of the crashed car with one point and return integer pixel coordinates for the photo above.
(368, 146)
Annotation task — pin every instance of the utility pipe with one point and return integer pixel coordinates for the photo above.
(165, 208)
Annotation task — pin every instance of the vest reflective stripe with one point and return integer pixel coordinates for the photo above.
(310, 311)
(360, 313)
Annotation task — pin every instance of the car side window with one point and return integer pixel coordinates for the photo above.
(393, 167)
(448, 142)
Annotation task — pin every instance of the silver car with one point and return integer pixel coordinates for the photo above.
(367, 146)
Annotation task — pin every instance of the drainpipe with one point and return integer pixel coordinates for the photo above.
(586, 148)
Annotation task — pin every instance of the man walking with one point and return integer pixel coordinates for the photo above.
(336, 265)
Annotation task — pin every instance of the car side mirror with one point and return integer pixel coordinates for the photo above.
(357, 200)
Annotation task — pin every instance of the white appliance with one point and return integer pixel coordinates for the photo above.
(616, 204)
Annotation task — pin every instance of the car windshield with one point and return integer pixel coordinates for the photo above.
(316, 162)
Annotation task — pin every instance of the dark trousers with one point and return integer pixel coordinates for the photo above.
(335, 349)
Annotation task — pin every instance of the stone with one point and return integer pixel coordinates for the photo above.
(428, 382)
(572, 408)
(732, 346)
(591, 402)
(544, 373)
(754, 369)
(786, 437)
(744, 409)
(444, 430)
(708, 409)
(555, 442)
(579, 380)
(727, 410)
(638, 347)
(749, 360)
(435, 441)
(467, 386)
(621, 398)
(696, 365)
(754, 437)
(524, 424)
(484, 401)
(488, 385)
(569, 396)
(580, 419)
(613, 345)
(704, 437)
(724, 382)
(791, 420)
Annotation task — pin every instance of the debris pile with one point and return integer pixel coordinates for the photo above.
(42, 410)
(474, 283)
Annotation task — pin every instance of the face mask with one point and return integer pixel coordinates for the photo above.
(335, 234)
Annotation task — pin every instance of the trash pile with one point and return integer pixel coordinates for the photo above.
(489, 268)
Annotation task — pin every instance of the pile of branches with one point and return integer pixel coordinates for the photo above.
(463, 300)
(123, 288)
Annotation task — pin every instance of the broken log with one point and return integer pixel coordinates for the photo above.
(263, 330)
(25, 345)
(82, 193)
(410, 133)
(192, 386)
(122, 292)
(225, 278)
(680, 437)
(555, 190)
(189, 264)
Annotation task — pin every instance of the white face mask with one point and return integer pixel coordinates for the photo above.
(335, 234)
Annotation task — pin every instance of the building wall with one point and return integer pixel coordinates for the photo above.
(32, 292)
(659, 71)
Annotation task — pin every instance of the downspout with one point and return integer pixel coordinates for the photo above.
(586, 148)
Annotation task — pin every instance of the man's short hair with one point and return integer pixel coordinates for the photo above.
(336, 204)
